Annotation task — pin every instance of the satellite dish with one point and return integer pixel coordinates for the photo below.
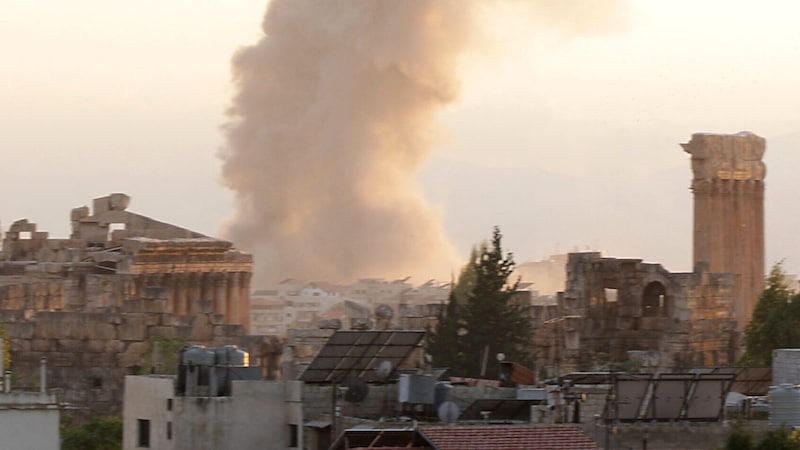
(357, 390)
(448, 412)
(383, 370)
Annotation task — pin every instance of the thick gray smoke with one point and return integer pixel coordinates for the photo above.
(333, 116)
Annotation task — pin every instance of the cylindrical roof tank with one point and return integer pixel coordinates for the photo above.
(197, 355)
(231, 355)
(784, 405)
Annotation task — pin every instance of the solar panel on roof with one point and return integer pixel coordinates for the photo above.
(359, 354)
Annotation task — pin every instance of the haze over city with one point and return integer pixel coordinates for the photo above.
(560, 124)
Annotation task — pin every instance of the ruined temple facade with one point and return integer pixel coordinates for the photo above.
(728, 187)
(97, 303)
(113, 255)
(616, 311)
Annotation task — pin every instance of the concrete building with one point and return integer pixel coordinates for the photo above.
(294, 304)
(289, 304)
(29, 421)
(257, 414)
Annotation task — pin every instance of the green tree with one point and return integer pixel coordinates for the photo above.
(443, 342)
(775, 322)
(6, 347)
(468, 275)
(100, 433)
(487, 321)
(162, 356)
(739, 438)
(779, 439)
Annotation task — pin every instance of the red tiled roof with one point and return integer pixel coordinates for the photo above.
(391, 448)
(514, 437)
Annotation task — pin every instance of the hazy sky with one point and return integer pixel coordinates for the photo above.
(99, 97)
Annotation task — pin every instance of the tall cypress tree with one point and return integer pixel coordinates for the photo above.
(443, 342)
(473, 330)
(493, 322)
(468, 276)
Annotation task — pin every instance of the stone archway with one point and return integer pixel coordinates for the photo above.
(654, 300)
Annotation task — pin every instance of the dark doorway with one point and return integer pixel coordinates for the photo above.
(654, 300)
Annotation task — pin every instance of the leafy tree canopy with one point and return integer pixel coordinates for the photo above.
(778, 439)
(101, 433)
(775, 322)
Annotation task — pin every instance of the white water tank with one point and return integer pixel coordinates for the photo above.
(416, 389)
(197, 355)
(784, 405)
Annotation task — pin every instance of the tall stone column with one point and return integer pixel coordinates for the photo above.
(232, 310)
(728, 186)
(195, 291)
(181, 290)
(207, 287)
(169, 293)
(220, 293)
(244, 300)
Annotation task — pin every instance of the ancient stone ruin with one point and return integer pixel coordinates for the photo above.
(728, 188)
(116, 298)
(617, 310)
(626, 311)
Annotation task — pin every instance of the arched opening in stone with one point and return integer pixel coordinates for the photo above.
(654, 300)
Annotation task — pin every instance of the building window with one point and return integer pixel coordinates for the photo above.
(293, 441)
(112, 227)
(169, 431)
(169, 404)
(144, 434)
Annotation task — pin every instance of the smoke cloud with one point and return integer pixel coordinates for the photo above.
(335, 112)
(333, 116)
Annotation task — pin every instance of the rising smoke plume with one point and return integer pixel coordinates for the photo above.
(333, 116)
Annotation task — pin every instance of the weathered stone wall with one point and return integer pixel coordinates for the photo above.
(89, 354)
(612, 307)
(96, 304)
(713, 335)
